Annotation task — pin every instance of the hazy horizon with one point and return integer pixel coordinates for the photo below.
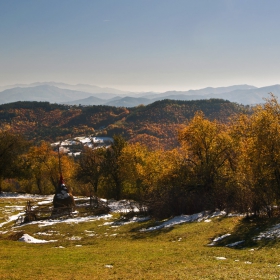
(147, 45)
(125, 88)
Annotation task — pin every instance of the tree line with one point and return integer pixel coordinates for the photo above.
(233, 166)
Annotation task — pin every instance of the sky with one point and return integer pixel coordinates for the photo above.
(140, 45)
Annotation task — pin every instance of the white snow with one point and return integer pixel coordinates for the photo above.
(90, 233)
(47, 201)
(178, 220)
(221, 258)
(17, 195)
(139, 219)
(217, 214)
(44, 233)
(125, 222)
(219, 239)
(74, 238)
(29, 239)
(12, 218)
(236, 215)
(271, 233)
(49, 233)
(108, 266)
(234, 244)
(76, 220)
(123, 206)
(25, 195)
(15, 207)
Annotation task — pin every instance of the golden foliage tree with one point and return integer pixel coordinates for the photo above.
(208, 146)
(44, 167)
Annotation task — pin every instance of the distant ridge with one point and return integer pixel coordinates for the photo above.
(69, 94)
(129, 102)
(79, 87)
(40, 93)
(91, 100)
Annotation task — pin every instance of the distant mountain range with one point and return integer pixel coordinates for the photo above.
(93, 95)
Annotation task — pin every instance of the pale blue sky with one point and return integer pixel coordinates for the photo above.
(141, 44)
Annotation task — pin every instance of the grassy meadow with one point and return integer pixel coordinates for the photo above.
(99, 250)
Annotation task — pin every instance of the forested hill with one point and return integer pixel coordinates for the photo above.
(155, 125)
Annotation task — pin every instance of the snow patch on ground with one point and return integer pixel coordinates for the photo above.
(12, 218)
(76, 220)
(29, 239)
(236, 215)
(90, 233)
(15, 207)
(24, 195)
(217, 214)
(272, 233)
(74, 238)
(125, 222)
(219, 239)
(221, 258)
(123, 206)
(234, 244)
(49, 233)
(186, 219)
(45, 202)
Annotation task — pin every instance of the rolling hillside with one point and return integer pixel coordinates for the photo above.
(155, 124)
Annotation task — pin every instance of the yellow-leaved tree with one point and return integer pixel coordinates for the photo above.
(209, 155)
(43, 162)
(259, 161)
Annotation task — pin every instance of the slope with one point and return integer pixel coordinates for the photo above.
(155, 125)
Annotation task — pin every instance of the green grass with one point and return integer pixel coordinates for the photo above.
(180, 252)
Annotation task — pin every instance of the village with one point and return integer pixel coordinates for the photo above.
(73, 147)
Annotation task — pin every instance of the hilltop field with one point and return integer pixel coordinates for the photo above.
(129, 245)
(163, 222)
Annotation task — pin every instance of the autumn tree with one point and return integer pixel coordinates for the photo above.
(259, 162)
(168, 195)
(89, 168)
(111, 167)
(134, 162)
(11, 147)
(208, 148)
(44, 167)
